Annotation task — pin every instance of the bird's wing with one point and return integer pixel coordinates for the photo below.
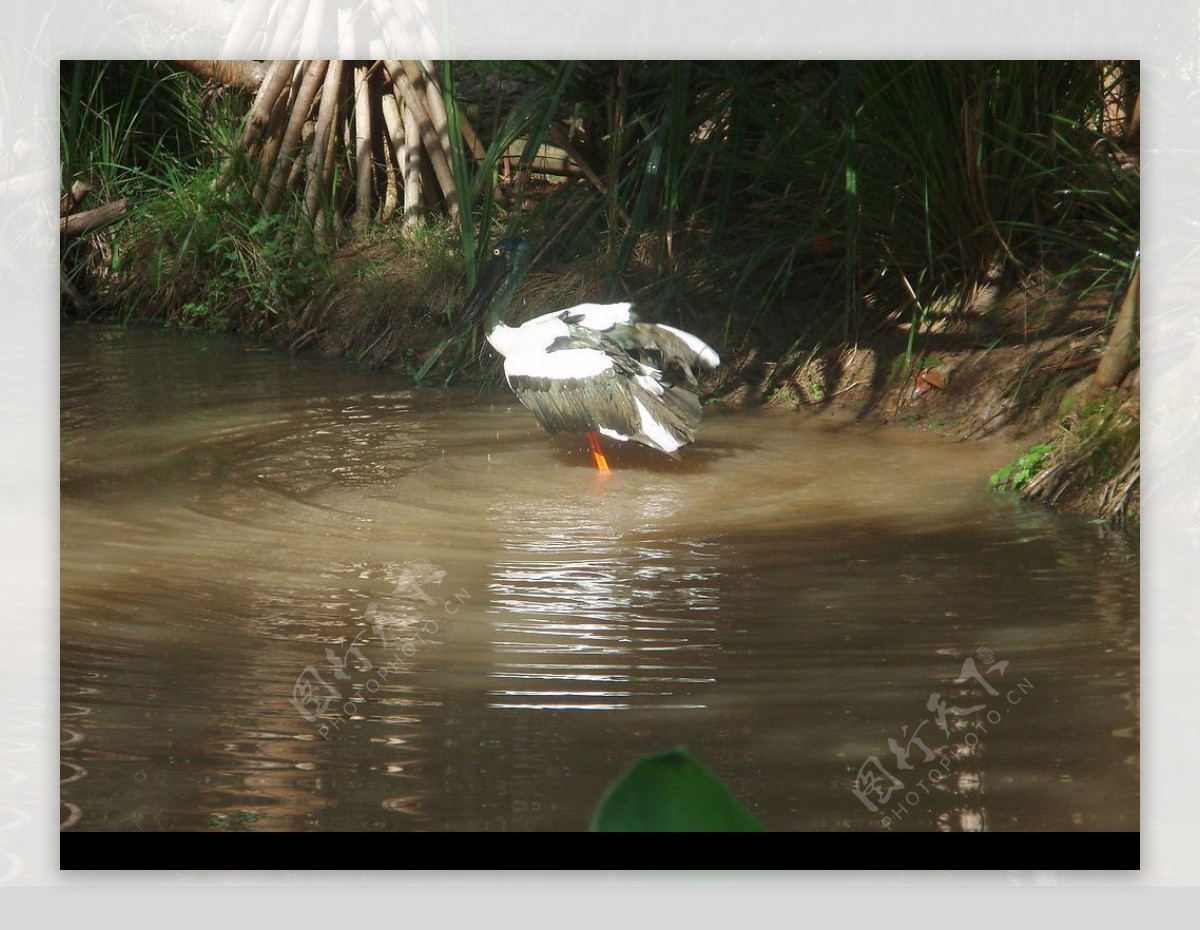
(587, 389)
(640, 348)
(597, 316)
(573, 390)
(593, 316)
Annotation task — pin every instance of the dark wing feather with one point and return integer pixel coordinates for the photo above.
(637, 350)
(650, 343)
(607, 402)
(579, 405)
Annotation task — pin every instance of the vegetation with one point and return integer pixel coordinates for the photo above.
(669, 791)
(790, 211)
(1016, 475)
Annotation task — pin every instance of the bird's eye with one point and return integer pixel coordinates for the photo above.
(496, 252)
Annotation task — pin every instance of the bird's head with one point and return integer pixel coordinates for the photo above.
(498, 281)
(514, 252)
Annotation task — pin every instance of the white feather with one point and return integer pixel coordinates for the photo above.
(564, 365)
(599, 316)
(534, 336)
(697, 345)
(649, 384)
(654, 431)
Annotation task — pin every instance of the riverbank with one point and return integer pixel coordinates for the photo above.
(1011, 364)
(1017, 367)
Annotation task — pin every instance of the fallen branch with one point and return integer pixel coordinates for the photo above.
(81, 224)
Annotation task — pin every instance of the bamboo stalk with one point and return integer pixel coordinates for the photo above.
(410, 169)
(326, 113)
(422, 78)
(257, 120)
(334, 219)
(362, 147)
(276, 123)
(304, 99)
(264, 101)
(394, 125)
(307, 131)
(391, 190)
(437, 159)
(474, 146)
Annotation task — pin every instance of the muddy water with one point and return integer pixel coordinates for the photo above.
(299, 596)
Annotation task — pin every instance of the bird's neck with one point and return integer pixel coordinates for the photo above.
(506, 292)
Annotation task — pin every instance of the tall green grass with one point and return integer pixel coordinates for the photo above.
(186, 252)
(126, 126)
(784, 193)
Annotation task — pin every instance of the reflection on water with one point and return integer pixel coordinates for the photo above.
(298, 596)
(590, 618)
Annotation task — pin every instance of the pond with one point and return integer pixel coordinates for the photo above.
(296, 595)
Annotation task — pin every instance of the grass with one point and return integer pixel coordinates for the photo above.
(195, 259)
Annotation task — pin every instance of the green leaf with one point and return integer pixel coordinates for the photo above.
(669, 791)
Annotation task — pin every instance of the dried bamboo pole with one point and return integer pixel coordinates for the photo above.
(362, 148)
(326, 114)
(394, 125)
(474, 146)
(313, 77)
(272, 136)
(437, 160)
(81, 224)
(410, 170)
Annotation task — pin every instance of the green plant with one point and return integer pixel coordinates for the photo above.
(670, 791)
(198, 257)
(1016, 475)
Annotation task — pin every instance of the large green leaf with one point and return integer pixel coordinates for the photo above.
(669, 791)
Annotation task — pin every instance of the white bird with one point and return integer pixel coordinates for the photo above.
(592, 368)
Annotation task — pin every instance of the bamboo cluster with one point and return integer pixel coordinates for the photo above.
(362, 141)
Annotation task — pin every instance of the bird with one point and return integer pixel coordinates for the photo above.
(593, 368)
